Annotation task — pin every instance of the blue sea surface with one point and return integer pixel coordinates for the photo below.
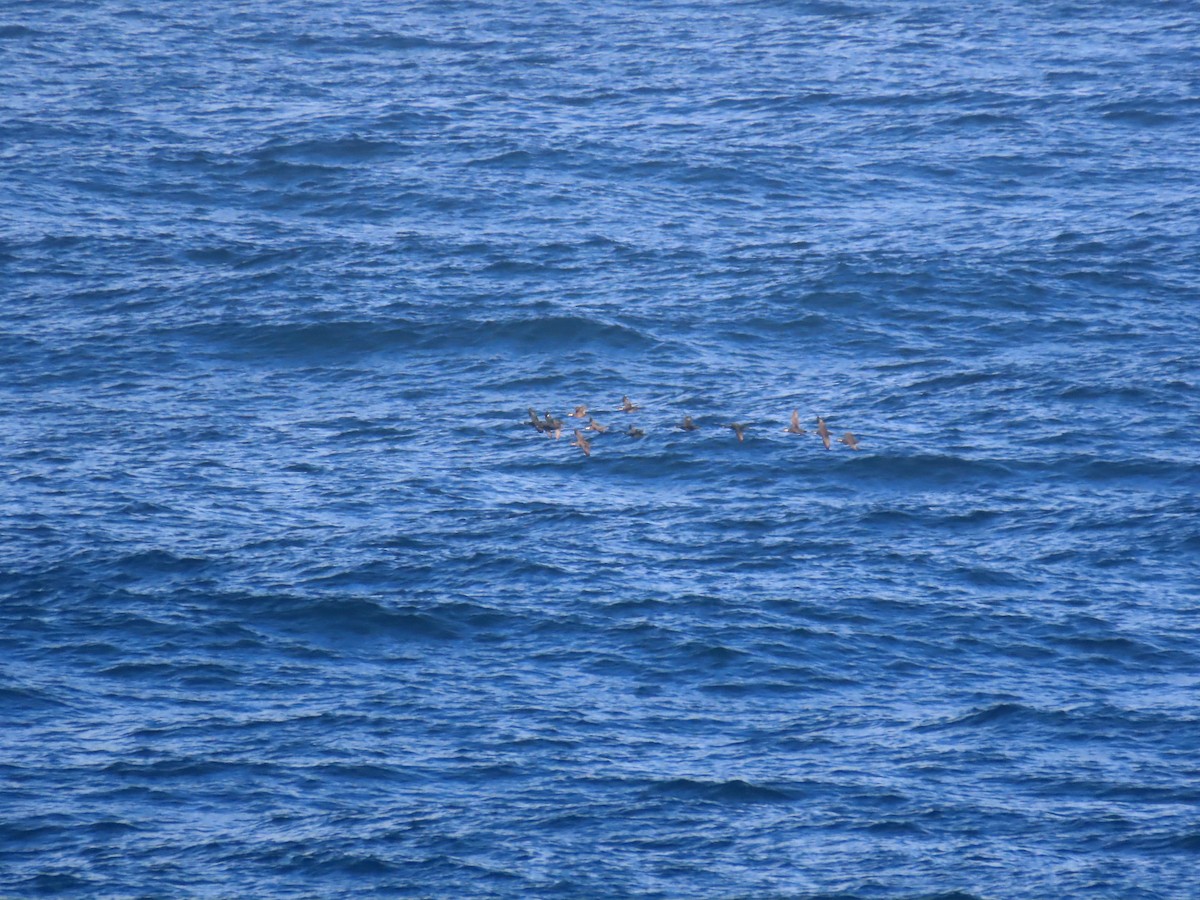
(295, 603)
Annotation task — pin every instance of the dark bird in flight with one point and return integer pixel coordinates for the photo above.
(794, 425)
(850, 441)
(582, 443)
(823, 432)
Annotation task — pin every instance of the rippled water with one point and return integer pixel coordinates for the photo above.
(292, 604)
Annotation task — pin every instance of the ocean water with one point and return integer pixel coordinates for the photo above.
(294, 604)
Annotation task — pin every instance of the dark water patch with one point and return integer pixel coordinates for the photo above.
(520, 268)
(185, 673)
(12, 32)
(390, 40)
(559, 333)
(362, 772)
(109, 828)
(53, 884)
(834, 10)
(1007, 715)
(900, 470)
(349, 339)
(307, 178)
(1122, 394)
(308, 341)
(353, 618)
(734, 792)
(356, 431)
(983, 120)
(956, 380)
(17, 700)
(893, 827)
(1110, 648)
(350, 149)
(800, 682)
(510, 159)
(153, 562)
(173, 770)
(1141, 115)
(1134, 467)
(991, 577)
(1188, 842)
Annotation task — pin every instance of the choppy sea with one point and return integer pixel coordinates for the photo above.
(295, 603)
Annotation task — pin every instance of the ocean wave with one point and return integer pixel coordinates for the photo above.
(352, 149)
(359, 618)
(734, 792)
(11, 32)
(1001, 714)
(940, 468)
(316, 340)
(293, 604)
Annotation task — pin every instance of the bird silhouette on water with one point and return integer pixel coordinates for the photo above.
(849, 440)
(628, 405)
(823, 431)
(687, 424)
(794, 425)
(740, 430)
(595, 426)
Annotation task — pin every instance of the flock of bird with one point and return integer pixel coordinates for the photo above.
(553, 427)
